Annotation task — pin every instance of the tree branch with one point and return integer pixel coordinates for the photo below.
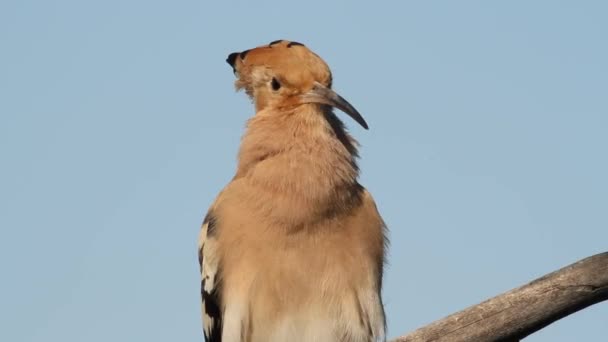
(520, 312)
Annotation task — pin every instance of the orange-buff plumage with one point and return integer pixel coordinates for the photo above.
(293, 247)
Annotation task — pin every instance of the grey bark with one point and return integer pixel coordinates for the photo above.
(520, 312)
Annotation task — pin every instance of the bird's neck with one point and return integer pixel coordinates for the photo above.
(305, 156)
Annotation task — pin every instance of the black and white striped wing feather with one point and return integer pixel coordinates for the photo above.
(209, 266)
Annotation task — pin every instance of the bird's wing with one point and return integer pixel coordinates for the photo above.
(209, 265)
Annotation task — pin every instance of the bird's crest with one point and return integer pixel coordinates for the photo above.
(286, 74)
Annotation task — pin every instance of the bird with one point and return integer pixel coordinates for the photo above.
(293, 247)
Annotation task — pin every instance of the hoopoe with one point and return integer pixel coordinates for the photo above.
(293, 247)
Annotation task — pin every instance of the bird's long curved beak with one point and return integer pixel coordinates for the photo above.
(323, 95)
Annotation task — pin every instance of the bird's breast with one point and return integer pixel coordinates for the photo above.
(302, 285)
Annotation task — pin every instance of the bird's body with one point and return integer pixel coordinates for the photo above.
(292, 249)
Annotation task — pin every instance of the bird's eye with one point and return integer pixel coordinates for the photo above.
(275, 84)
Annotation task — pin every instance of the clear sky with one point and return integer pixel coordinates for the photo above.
(487, 151)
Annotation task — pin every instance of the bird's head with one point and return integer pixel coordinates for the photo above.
(284, 75)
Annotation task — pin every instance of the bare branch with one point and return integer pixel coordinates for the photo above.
(520, 312)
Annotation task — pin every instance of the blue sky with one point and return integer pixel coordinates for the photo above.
(119, 123)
